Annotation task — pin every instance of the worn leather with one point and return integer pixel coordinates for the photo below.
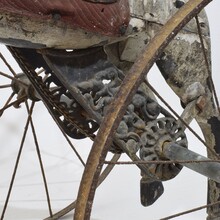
(107, 19)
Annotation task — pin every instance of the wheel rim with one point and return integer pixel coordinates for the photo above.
(87, 190)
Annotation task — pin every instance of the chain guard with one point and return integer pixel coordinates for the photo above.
(93, 81)
(77, 88)
(64, 109)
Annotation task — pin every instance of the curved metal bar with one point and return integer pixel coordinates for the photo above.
(123, 97)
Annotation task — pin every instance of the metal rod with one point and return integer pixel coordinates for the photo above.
(174, 151)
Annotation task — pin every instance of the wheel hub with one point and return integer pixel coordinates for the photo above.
(22, 86)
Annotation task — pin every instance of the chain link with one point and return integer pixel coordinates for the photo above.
(53, 105)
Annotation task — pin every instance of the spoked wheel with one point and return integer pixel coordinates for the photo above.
(32, 170)
(83, 90)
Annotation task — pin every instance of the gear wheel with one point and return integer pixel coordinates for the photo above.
(157, 132)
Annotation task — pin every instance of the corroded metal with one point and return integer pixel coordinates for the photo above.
(94, 81)
(58, 108)
(76, 75)
(23, 87)
(157, 132)
(118, 106)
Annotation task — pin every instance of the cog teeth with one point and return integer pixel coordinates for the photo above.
(156, 133)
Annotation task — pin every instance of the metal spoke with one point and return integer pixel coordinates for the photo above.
(97, 156)
(9, 99)
(7, 76)
(72, 146)
(181, 120)
(207, 64)
(15, 103)
(190, 211)
(7, 64)
(12, 78)
(40, 159)
(5, 86)
(17, 161)
(102, 177)
(162, 162)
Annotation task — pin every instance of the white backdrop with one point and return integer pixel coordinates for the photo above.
(118, 196)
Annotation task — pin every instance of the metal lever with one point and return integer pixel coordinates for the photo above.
(174, 151)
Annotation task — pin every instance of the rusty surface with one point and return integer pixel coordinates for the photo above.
(107, 19)
(117, 108)
(201, 103)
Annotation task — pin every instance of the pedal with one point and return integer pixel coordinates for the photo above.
(150, 191)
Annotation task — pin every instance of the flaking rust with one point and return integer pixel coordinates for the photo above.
(181, 63)
(151, 28)
(183, 66)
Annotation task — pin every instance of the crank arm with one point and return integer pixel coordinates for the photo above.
(196, 162)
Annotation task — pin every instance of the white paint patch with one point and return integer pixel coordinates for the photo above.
(138, 23)
(190, 38)
(193, 91)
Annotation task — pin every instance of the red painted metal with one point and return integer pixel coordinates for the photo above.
(107, 19)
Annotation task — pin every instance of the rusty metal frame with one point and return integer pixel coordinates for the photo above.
(117, 108)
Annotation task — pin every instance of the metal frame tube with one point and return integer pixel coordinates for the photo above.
(174, 151)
